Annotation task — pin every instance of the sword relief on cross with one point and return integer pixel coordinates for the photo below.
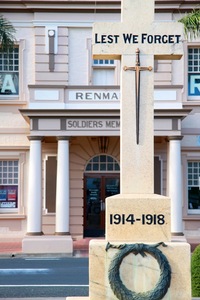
(137, 70)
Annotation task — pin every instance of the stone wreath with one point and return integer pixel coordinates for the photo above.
(117, 286)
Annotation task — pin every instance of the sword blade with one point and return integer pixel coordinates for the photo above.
(137, 96)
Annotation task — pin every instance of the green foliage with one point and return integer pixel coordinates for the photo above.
(7, 31)
(191, 22)
(195, 264)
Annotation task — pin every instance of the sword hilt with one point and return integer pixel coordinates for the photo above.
(137, 62)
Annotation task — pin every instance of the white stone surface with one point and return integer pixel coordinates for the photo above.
(138, 217)
(62, 190)
(34, 217)
(47, 244)
(140, 274)
(175, 185)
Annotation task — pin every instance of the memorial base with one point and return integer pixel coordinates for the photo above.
(138, 274)
(47, 244)
(140, 222)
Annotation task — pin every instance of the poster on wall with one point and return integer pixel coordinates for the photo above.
(8, 196)
(3, 195)
(12, 195)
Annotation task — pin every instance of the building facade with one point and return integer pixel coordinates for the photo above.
(60, 122)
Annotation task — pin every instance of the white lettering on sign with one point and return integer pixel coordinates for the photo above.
(194, 86)
(144, 38)
(8, 84)
(94, 95)
(9, 204)
(92, 124)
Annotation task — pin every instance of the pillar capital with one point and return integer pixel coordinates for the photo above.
(35, 138)
(174, 138)
(63, 138)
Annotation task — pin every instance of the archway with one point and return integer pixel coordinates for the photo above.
(101, 180)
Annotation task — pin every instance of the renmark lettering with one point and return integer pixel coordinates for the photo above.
(97, 96)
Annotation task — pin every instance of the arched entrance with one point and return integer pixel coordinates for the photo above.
(101, 180)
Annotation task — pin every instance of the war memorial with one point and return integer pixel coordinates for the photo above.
(138, 259)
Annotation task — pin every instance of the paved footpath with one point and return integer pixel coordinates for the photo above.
(11, 247)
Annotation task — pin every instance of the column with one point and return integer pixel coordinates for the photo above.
(175, 185)
(34, 216)
(62, 187)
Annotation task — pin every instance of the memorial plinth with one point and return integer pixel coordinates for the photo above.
(137, 220)
(139, 274)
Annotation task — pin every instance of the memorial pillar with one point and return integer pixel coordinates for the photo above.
(62, 187)
(34, 215)
(175, 184)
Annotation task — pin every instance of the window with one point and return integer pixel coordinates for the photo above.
(102, 163)
(9, 183)
(104, 72)
(9, 72)
(194, 73)
(103, 62)
(194, 187)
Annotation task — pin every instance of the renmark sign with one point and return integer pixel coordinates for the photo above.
(94, 95)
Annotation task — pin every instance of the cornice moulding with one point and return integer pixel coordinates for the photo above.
(98, 6)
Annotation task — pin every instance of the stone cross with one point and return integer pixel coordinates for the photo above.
(154, 40)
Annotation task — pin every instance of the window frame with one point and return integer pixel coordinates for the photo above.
(20, 98)
(13, 186)
(101, 163)
(12, 69)
(104, 67)
(20, 156)
(115, 67)
(192, 46)
(192, 211)
(104, 63)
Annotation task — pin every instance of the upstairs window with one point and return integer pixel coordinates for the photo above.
(194, 73)
(104, 72)
(103, 62)
(9, 73)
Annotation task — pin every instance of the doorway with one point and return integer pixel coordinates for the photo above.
(97, 187)
(101, 180)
